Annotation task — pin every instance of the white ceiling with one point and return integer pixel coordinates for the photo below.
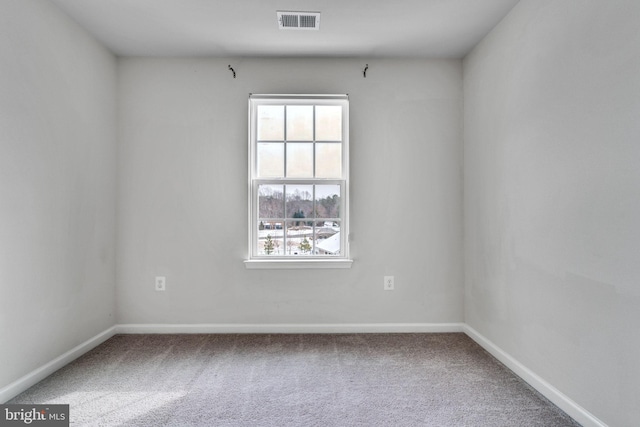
(357, 28)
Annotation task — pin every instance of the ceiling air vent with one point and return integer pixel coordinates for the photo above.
(298, 20)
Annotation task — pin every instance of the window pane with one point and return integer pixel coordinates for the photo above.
(271, 122)
(270, 159)
(300, 160)
(299, 201)
(270, 201)
(299, 238)
(300, 123)
(328, 160)
(327, 201)
(328, 123)
(298, 178)
(270, 238)
(328, 239)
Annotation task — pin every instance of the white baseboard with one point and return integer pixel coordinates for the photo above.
(285, 328)
(35, 376)
(563, 402)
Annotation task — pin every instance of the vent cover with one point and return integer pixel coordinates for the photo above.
(298, 20)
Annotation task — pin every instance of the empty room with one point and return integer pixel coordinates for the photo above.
(320, 213)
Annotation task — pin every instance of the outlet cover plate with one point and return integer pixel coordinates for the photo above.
(161, 283)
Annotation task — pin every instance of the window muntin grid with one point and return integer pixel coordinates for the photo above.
(298, 177)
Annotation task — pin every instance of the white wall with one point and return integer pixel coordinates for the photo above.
(552, 197)
(183, 193)
(57, 186)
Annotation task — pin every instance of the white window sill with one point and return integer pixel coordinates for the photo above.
(285, 264)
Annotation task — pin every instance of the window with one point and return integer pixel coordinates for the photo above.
(298, 177)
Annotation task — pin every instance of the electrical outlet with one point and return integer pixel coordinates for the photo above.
(388, 283)
(161, 283)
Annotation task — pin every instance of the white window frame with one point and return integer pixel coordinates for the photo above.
(255, 260)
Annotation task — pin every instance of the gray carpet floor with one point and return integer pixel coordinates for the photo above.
(293, 380)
